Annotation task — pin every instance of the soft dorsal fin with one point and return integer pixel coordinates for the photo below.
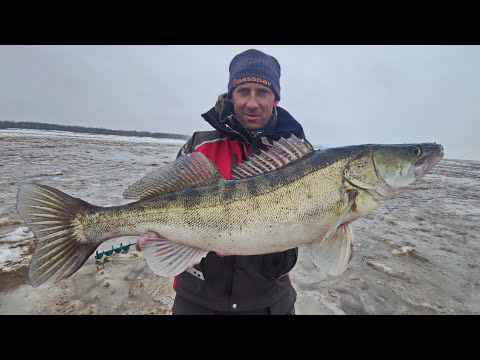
(283, 152)
(187, 171)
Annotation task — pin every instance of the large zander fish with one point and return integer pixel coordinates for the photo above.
(289, 196)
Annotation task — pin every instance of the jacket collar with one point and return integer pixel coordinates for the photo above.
(281, 124)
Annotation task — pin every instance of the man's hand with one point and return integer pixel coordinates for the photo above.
(147, 236)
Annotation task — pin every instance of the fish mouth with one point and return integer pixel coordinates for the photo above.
(431, 155)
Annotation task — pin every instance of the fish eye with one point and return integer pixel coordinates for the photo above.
(417, 151)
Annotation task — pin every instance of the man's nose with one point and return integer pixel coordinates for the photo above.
(252, 102)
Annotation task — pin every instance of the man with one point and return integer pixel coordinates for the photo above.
(246, 120)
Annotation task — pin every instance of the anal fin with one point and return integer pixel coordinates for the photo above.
(166, 258)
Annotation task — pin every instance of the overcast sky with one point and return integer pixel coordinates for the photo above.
(342, 95)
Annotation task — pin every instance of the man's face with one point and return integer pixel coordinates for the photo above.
(253, 104)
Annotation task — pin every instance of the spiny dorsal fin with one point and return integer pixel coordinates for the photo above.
(187, 171)
(283, 152)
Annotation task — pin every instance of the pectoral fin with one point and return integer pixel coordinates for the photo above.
(169, 259)
(333, 252)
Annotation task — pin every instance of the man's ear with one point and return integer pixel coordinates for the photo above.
(275, 103)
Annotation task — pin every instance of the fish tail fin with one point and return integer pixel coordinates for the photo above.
(53, 217)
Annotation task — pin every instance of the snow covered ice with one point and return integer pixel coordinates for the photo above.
(416, 254)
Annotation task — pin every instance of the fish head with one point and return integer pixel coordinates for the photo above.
(401, 165)
(378, 171)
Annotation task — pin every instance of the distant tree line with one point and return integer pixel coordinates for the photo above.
(87, 130)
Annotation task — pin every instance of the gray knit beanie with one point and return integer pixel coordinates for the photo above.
(254, 66)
